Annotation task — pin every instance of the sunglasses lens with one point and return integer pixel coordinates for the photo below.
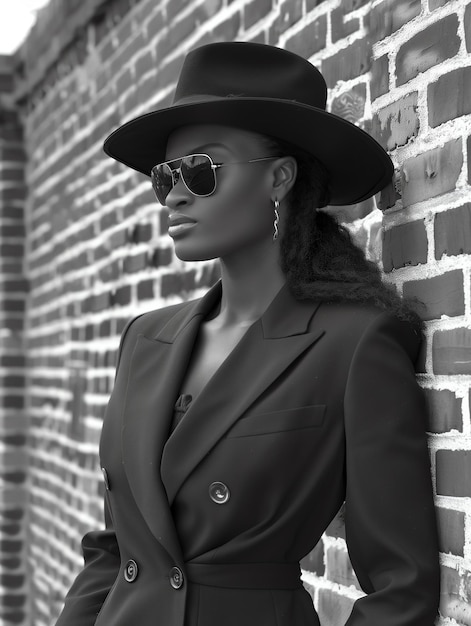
(198, 174)
(162, 181)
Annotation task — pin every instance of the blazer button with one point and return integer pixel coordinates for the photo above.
(176, 577)
(106, 479)
(219, 492)
(131, 571)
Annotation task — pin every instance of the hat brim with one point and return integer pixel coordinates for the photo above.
(358, 166)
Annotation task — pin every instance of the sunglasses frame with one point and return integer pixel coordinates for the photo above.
(176, 172)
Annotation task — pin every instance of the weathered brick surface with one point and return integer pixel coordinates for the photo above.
(387, 17)
(452, 351)
(96, 243)
(404, 245)
(397, 123)
(444, 411)
(454, 473)
(451, 531)
(333, 608)
(428, 48)
(432, 173)
(440, 295)
(310, 39)
(349, 63)
(452, 231)
(450, 96)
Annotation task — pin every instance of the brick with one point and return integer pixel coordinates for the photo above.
(310, 39)
(397, 123)
(255, 11)
(312, 4)
(290, 12)
(351, 62)
(454, 473)
(177, 283)
(339, 568)
(444, 410)
(141, 233)
(451, 351)
(145, 289)
(452, 232)
(441, 106)
(14, 477)
(122, 296)
(387, 17)
(11, 546)
(11, 250)
(440, 295)
(342, 26)
(427, 49)
(314, 561)
(451, 531)
(135, 263)
(161, 256)
(432, 174)
(333, 608)
(379, 77)
(144, 64)
(404, 245)
(101, 301)
(467, 26)
(118, 239)
(450, 582)
(12, 581)
(350, 105)
(124, 82)
(209, 276)
(12, 402)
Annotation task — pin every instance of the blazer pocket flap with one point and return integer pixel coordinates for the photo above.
(279, 421)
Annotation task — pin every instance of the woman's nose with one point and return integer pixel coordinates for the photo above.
(178, 195)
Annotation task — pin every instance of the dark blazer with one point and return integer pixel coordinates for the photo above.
(317, 404)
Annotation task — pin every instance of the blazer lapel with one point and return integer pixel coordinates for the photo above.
(269, 346)
(158, 364)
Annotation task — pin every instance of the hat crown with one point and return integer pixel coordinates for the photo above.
(249, 70)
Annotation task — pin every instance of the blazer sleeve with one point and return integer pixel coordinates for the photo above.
(389, 516)
(101, 562)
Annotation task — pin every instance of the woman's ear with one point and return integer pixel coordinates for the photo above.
(285, 172)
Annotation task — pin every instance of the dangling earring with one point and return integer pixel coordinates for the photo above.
(277, 217)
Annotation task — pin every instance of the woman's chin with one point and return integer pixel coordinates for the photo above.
(187, 253)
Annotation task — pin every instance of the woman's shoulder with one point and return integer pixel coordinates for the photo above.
(360, 323)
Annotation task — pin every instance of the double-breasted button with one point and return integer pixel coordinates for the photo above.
(105, 478)
(176, 577)
(131, 571)
(219, 492)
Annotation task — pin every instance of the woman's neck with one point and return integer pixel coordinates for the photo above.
(249, 285)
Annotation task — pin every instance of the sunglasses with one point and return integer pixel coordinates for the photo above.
(197, 171)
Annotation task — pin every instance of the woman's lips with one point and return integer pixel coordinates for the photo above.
(179, 224)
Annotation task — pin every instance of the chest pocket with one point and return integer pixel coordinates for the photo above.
(279, 421)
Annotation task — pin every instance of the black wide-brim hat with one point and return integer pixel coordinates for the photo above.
(267, 90)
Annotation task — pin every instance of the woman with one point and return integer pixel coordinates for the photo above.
(240, 422)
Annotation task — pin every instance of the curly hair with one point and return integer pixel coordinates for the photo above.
(318, 255)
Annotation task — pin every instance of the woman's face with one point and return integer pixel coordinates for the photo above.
(239, 214)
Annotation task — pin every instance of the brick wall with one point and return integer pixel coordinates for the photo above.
(13, 425)
(96, 249)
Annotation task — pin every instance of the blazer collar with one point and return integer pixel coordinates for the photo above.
(284, 317)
